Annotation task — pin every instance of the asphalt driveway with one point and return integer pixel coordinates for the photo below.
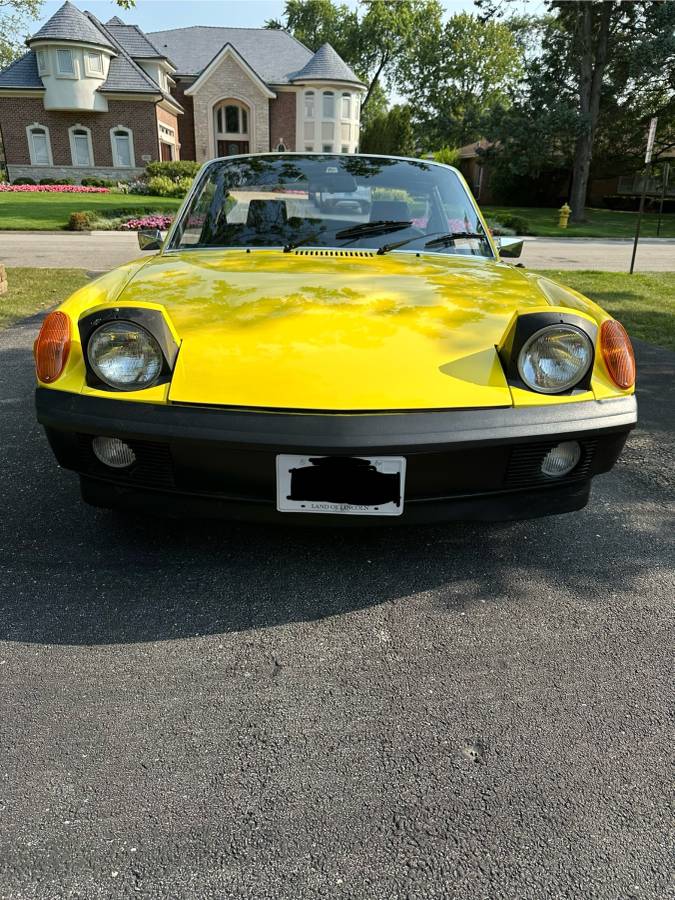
(200, 710)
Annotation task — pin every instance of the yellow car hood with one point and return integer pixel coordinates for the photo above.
(336, 332)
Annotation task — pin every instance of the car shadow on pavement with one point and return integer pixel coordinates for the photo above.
(70, 574)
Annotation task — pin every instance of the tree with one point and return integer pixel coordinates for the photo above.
(375, 39)
(14, 18)
(612, 65)
(459, 73)
(390, 133)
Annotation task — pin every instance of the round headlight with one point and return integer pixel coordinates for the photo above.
(555, 358)
(125, 356)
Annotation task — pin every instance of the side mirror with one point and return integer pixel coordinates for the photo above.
(510, 248)
(150, 240)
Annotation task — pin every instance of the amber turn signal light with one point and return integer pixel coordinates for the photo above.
(617, 352)
(52, 347)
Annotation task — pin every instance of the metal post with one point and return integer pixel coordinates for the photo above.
(664, 188)
(648, 162)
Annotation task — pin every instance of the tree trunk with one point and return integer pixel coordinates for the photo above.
(375, 79)
(592, 62)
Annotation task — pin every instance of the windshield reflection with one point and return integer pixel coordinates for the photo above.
(288, 201)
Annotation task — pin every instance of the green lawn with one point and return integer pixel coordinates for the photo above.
(644, 303)
(50, 212)
(601, 222)
(32, 290)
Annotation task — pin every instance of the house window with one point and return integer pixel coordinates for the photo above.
(39, 145)
(309, 104)
(309, 148)
(328, 105)
(81, 150)
(281, 148)
(308, 131)
(327, 148)
(327, 131)
(42, 62)
(345, 131)
(65, 64)
(122, 147)
(344, 149)
(346, 106)
(232, 118)
(93, 63)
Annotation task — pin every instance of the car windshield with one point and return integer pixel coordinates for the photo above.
(292, 200)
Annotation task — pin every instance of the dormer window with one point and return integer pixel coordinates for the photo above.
(65, 64)
(93, 63)
(42, 62)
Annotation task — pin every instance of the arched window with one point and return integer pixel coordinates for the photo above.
(81, 150)
(231, 118)
(309, 104)
(281, 147)
(39, 145)
(328, 105)
(122, 140)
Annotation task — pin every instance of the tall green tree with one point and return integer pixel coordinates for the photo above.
(458, 73)
(390, 132)
(375, 39)
(611, 67)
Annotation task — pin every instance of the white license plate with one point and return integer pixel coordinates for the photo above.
(341, 485)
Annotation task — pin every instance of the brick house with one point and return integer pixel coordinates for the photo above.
(95, 99)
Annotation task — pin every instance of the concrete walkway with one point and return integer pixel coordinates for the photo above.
(102, 250)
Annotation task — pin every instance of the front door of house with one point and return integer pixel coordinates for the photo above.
(232, 148)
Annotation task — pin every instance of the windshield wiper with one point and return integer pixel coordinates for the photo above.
(382, 226)
(437, 242)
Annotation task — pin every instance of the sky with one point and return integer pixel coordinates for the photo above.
(156, 15)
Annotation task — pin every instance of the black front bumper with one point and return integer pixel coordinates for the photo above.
(461, 464)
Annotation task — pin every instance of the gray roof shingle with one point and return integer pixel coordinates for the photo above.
(326, 65)
(22, 73)
(274, 55)
(69, 24)
(134, 41)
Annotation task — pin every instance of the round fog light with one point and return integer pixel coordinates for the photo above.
(561, 459)
(113, 452)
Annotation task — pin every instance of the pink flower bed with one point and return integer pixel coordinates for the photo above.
(148, 223)
(51, 189)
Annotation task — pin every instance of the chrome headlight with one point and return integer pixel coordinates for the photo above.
(125, 356)
(555, 358)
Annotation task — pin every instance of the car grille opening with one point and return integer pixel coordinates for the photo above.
(524, 467)
(153, 466)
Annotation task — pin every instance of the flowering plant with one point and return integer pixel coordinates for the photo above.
(51, 189)
(159, 222)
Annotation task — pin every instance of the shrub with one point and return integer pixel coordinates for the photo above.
(173, 169)
(448, 156)
(19, 181)
(79, 221)
(516, 224)
(98, 182)
(162, 186)
(498, 228)
(51, 181)
(136, 187)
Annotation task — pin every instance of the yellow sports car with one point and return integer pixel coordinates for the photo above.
(328, 338)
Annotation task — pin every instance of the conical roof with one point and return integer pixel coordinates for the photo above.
(69, 24)
(326, 65)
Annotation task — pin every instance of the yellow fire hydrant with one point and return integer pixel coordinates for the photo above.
(563, 215)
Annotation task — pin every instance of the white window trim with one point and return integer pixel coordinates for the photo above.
(59, 73)
(113, 145)
(71, 138)
(93, 73)
(44, 69)
(29, 136)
